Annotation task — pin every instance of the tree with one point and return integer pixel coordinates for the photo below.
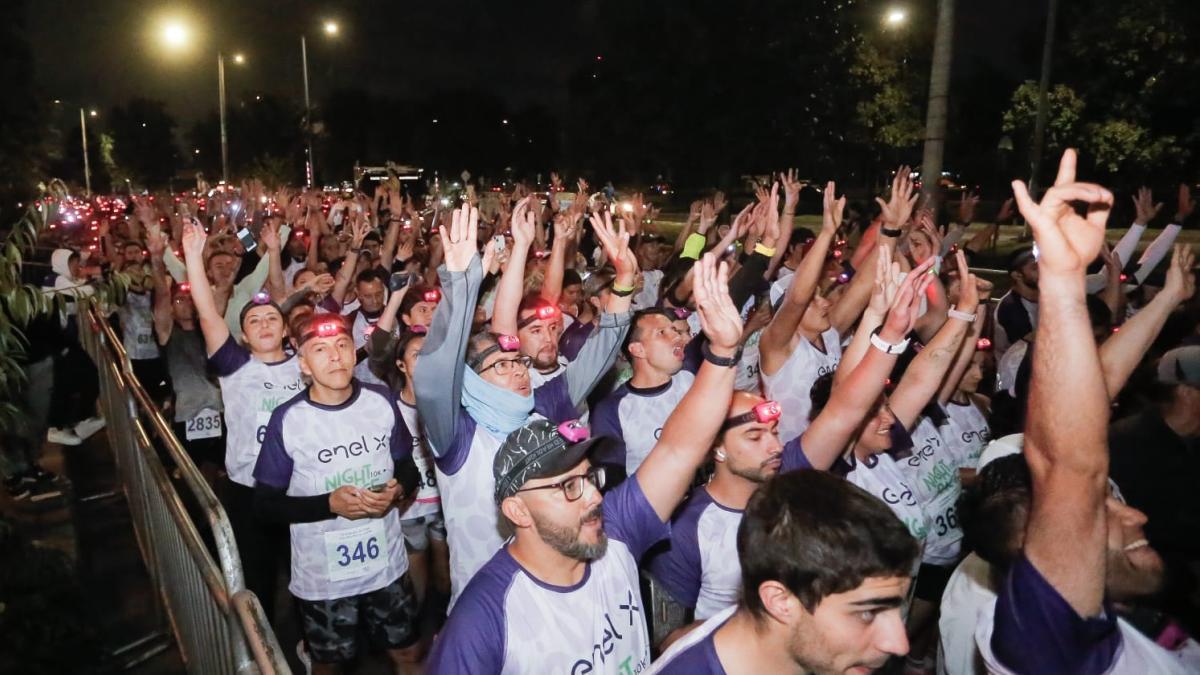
(1064, 119)
(886, 110)
(23, 114)
(143, 141)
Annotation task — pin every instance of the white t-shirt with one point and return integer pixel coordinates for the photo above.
(701, 569)
(933, 474)
(313, 449)
(428, 500)
(792, 384)
(251, 390)
(636, 417)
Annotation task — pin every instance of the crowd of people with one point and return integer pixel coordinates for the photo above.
(584, 444)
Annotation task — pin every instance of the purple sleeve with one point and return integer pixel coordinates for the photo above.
(693, 356)
(678, 568)
(330, 305)
(698, 659)
(552, 400)
(473, 639)
(1035, 630)
(629, 518)
(231, 356)
(794, 458)
(452, 458)
(606, 421)
(402, 439)
(274, 465)
(573, 339)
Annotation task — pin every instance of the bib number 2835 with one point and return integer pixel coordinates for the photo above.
(357, 551)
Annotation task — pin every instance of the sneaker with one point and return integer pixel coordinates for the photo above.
(37, 474)
(89, 426)
(17, 488)
(62, 436)
(305, 659)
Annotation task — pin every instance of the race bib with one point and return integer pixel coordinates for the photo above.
(206, 424)
(357, 551)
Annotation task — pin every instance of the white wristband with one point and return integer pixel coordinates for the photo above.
(886, 347)
(961, 316)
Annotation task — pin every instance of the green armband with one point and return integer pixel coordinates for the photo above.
(694, 246)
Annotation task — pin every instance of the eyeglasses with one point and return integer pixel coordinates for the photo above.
(572, 487)
(506, 367)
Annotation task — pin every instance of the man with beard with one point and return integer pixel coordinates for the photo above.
(563, 596)
(1017, 311)
(1063, 546)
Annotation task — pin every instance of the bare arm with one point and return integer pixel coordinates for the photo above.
(1122, 351)
(275, 283)
(924, 376)
(164, 318)
(1066, 430)
(774, 346)
(212, 324)
(345, 275)
(856, 397)
(552, 282)
(512, 282)
(689, 432)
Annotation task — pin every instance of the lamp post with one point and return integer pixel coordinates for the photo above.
(331, 28)
(87, 170)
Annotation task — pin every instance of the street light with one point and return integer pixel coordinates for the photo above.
(239, 59)
(895, 17)
(331, 29)
(175, 34)
(92, 113)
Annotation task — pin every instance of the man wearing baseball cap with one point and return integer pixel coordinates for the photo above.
(563, 595)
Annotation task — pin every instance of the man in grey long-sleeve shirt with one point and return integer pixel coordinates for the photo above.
(468, 412)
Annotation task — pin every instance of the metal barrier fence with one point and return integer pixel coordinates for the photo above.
(218, 625)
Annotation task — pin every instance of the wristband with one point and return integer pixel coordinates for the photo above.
(694, 246)
(722, 361)
(768, 251)
(937, 266)
(961, 316)
(886, 347)
(889, 232)
(621, 291)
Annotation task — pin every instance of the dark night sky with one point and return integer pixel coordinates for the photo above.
(102, 52)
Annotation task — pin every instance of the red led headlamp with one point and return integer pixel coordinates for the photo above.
(544, 312)
(763, 413)
(432, 295)
(983, 344)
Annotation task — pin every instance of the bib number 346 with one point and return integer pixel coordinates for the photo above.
(357, 551)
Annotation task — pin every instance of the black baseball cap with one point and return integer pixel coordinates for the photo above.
(536, 450)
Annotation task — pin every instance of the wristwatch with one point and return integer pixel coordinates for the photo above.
(887, 347)
(889, 232)
(724, 362)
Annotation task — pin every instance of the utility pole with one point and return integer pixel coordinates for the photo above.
(87, 170)
(1039, 128)
(309, 176)
(939, 92)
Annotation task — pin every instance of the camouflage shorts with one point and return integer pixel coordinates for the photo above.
(389, 616)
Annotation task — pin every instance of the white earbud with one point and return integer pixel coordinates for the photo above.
(720, 455)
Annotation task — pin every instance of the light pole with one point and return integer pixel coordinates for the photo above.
(87, 170)
(1039, 131)
(331, 29)
(239, 59)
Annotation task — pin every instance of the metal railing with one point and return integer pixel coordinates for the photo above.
(218, 625)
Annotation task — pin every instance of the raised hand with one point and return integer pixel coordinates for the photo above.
(1147, 210)
(742, 224)
(791, 189)
(833, 208)
(321, 284)
(906, 305)
(771, 232)
(719, 317)
(887, 283)
(358, 232)
(1006, 211)
(459, 240)
(719, 202)
(270, 236)
(193, 241)
(156, 242)
(968, 287)
(1181, 282)
(1186, 205)
(1067, 241)
(899, 206)
(524, 223)
(616, 247)
(966, 208)
(708, 216)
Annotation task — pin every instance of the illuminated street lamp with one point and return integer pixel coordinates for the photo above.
(895, 17)
(331, 29)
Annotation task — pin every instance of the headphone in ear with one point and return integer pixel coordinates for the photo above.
(720, 455)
